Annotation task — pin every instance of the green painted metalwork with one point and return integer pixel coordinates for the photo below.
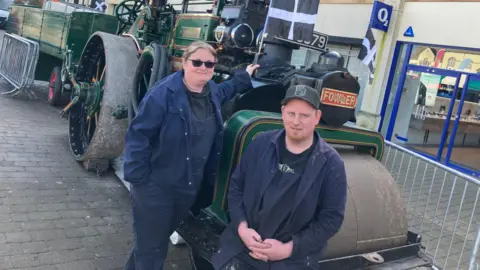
(56, 31)
(46, 63)
(245, 125)
(190, 28)
(142, 27)
(220, 4)
(83, 25)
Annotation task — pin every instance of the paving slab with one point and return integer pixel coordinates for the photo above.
(53, 214)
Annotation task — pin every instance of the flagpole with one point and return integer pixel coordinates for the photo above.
(377, 62)
(379, 56)
(255, 60)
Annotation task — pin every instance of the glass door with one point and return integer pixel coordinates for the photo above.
(463, 152)
(423, 103)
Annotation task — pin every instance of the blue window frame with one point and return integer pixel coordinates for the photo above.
(404, 67)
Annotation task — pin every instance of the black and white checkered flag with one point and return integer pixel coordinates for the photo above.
(292, 19)
(368, 52)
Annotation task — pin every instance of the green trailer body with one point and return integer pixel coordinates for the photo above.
(56, 32)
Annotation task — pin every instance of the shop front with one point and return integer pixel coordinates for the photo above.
(432, 105)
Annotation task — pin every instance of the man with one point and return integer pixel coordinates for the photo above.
(287, 196)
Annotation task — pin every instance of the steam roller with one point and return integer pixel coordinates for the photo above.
(375, 216)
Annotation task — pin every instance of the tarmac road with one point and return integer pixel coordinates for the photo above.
(53, 214)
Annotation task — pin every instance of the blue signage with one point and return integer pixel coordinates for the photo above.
(409, 32)
(381, 15)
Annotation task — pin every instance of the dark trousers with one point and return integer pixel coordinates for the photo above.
(243, 261)
(156, 213)
(237, 264)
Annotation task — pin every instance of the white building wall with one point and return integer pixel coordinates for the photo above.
(343, 20)
(443, 23)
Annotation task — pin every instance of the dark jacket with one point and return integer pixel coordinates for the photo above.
(318, 208)
(156, 143)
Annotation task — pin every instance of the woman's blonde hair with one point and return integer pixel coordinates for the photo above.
(194, 46)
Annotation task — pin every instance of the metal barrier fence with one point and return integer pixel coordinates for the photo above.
(18, 61)
(441, 206)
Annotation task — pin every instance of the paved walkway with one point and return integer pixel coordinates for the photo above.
(53, 214)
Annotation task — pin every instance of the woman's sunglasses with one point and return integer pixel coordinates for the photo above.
(199, 63)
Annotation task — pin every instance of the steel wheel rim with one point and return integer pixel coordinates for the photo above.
(83, 119)
(143, 77)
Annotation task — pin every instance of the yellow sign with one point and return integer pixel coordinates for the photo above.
(190, 32)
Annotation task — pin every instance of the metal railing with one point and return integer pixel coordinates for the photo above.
(18, 61)
(441, 206)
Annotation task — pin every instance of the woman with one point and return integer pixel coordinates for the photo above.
(171, 146)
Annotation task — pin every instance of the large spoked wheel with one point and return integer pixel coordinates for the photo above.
(127, 12)
(152, 67)
(98, 111)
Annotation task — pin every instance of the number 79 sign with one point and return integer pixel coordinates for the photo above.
(381, 16)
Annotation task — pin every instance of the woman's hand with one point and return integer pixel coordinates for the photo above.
(251, 68)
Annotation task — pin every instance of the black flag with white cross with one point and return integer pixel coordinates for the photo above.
(368, 52)
(292, 19)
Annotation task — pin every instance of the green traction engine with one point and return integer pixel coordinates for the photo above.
(116, 70)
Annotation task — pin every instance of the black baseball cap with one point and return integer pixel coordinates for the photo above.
(303, 92)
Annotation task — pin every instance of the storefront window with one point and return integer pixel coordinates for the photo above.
(446, 58)
(393, 89)
(468, 130)
(426, 95)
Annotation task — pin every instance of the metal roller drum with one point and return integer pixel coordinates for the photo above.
(375, 216)
(110, 59)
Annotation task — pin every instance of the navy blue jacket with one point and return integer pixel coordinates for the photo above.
(157, 147)
(318, 208)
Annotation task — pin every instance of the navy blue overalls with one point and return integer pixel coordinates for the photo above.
(172, 145)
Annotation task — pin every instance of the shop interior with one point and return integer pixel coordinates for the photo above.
(426, 102)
